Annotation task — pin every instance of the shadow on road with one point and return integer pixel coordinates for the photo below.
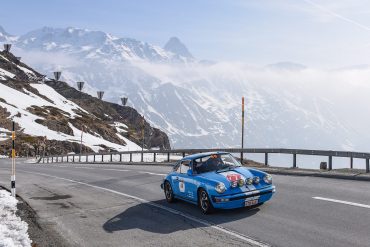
(152, 219)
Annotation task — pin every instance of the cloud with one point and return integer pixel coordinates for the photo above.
(55, 60)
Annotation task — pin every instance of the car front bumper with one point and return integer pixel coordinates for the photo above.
(239, 200)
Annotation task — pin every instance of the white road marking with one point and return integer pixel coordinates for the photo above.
(174, 211)
(342, 202)
(107, 169)
(112, 169)
(152, 173)
(120, 170)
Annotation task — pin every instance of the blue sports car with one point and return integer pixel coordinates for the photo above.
(217, 180)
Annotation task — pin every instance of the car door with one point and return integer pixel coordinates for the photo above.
(175, 177)
(187, 185)
(179, 179)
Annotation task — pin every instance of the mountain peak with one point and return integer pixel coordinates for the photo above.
(2, 30)
(5, 36)
(174, 45)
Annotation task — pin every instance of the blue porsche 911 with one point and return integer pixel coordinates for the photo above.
(217, 180)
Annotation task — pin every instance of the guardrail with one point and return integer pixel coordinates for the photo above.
(178, 153)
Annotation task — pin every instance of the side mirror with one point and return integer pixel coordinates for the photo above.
(189, 172)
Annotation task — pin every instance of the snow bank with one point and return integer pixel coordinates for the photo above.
(13, 231)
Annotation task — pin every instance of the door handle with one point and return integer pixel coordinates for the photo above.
(177, 178)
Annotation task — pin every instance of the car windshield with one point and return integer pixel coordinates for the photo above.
(214, 162)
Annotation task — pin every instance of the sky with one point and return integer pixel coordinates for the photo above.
(316, 33)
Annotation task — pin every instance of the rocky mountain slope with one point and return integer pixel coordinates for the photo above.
(198, 104)
(51, 115)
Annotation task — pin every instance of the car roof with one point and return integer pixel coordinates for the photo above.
(200, 155)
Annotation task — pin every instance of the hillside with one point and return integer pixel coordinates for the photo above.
(51, 115)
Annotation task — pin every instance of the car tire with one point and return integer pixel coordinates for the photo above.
(204, 202)
(168, 192)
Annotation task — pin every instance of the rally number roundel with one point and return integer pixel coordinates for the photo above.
(182, 186)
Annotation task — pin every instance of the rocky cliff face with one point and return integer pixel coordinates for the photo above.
(50, 116)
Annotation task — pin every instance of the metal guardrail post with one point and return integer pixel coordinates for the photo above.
(266, 159)
(367, 166)
(294, 160)
(330, 163)
(102, 158)
(111, 157)
(130, 157)
(87, 158)
(154, 157)
(120, 157)
(168, 157)
(94, 158)
(142, 157)
(73, 158)
(351, 165)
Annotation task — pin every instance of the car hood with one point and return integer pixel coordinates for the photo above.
(228, 176)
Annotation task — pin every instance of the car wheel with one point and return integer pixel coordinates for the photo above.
(168, 192)
(204, 202)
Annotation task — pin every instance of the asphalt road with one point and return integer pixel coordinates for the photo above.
(123, 205)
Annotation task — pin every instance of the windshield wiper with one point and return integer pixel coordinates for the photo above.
(225, 169)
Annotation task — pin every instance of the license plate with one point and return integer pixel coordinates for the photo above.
(251, 201)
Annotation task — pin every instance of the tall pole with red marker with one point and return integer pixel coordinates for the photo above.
(13, 162)
(241, 154)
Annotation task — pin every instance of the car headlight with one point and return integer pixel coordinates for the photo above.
(241, 182)
(256, 180)
(220, 188)
(267, 179)
(249, 181)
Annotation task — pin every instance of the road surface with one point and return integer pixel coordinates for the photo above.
(123, 205)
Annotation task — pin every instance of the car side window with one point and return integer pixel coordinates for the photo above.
(185, 166)
(176, 168)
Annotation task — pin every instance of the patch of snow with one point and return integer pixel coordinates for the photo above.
(3, 72)
(27, 71)
(4, 130)
(120, 127)
(13, 231)
(94, 142)
(130, 145)
(59, 101)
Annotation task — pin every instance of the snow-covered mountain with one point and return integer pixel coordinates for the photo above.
(58, 116)
(197, 103)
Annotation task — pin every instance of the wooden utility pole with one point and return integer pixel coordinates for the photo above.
(241, 154)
